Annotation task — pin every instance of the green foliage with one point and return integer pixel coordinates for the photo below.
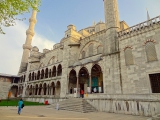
(9, 9)
(15, 103)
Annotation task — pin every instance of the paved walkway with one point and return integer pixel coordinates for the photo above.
(44, 113)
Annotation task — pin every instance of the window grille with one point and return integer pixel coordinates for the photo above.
(150, 52)
(128, 56)
(99, 49)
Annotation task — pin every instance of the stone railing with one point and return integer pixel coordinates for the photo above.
(139, 26)
(45, 79)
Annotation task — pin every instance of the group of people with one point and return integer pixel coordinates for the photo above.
(82, 91)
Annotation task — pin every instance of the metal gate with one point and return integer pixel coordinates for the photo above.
(155, 82)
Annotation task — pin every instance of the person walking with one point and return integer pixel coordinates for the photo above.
(20, 105)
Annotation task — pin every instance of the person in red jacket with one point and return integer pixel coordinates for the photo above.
(82, 93)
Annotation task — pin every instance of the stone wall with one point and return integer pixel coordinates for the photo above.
(5, 84)
(143, 105)
(135, 77)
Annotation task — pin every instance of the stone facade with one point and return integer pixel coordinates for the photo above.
(8, 83)
(112, 57)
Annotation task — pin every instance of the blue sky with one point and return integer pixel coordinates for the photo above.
(56, 15)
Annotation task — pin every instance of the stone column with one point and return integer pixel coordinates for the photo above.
(56, 73)
(90, 83)
(67, 91)
(77, 82)
(55, 91)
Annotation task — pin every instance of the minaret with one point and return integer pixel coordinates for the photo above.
(27, 46)
(112, 25)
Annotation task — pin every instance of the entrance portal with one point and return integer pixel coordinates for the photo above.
(84, 79)
(97, 79)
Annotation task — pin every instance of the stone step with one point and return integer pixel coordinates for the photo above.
(75, 104)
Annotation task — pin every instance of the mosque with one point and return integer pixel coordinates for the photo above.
(117, 66)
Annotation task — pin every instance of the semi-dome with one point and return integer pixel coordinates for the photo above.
(35, 49)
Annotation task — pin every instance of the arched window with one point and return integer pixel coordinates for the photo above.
(83, 54)
(150, 52)
(24, 78)
(99, 49)
(46, 73)
(91, 50)
(128, 56)
(33, 76)
(59, 71)
(29, 76)
(42, 74)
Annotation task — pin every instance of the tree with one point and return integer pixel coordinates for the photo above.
(9, 9)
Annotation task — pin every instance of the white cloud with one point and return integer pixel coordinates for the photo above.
(11, 47)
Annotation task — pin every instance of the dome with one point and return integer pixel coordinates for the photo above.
(35, 49)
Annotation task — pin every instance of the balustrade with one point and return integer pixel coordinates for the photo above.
(139, 26)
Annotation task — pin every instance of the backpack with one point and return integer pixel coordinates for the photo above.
(22, 105)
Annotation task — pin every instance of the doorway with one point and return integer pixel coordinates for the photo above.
(155, 82)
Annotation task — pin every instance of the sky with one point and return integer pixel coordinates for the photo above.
(56, 15)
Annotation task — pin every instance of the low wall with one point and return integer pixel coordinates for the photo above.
(143, 105)
(51, 100)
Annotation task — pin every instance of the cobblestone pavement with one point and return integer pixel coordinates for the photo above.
(44, 113)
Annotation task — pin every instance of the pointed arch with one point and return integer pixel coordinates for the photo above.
(38, 75)
(41, 65)
(99, 49)
(97, 79)
(58, 88)
(42, 74)
(50, 73)
(33, 76)
(59, 70)
(91, 49)
(83, 54)
(54, 71)
(36, 89)
(86, 47)
(46, 73)
(45, 88)
(72, 81)
(128, 56)
(40, 89)
(150, 51)
(29, 76)
(51, 61)
(52, 90)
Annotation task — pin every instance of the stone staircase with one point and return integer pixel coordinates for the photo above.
(76, 105)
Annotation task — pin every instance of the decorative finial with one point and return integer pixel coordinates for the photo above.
(94, 23)
(148, 17)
